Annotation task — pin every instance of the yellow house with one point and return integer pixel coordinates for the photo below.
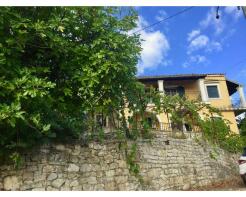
(214, 89)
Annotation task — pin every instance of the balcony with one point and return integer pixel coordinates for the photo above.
(237, 107)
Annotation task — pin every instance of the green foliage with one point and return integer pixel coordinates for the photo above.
(101, 135)
(131, 158)
(202, 116)
(213, 155)
(234, 143)
(215, 129)
(17, 159)
(218, 132)
(181, 109)
(242, 127)
(59, 66)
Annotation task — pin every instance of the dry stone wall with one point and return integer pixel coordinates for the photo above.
(165, 164)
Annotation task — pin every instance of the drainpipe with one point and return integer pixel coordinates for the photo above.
(242, 97)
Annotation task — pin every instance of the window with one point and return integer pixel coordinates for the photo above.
(213, 91)
(173, 91)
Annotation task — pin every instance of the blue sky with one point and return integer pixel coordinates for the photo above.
(193, 42)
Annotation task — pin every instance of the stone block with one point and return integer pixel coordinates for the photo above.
(99, 174)
(110, 173)
(109, 186)
(76, 151)
(74, 159)
(92, 180)
(108, 159)
(27, 176)
(52, 177)
(26, 187)
(122, 164)
(121, 179)
(101, 153)
(39, 189)
(77, 188)
(85, 167)
(49, 188)
(73, 168)
(99, 187)
(48, 168)
(31, 168)
(74, 183)
(37, 185)
(58, 183)
(113, 166)
(73, 175)
(65, 188)
(87, 187)
(60, 147)
(39, 177)
(11, 183)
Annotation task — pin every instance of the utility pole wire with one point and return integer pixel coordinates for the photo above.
(171, 16)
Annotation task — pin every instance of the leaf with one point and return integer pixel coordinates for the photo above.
(46, 127)
(61, 28)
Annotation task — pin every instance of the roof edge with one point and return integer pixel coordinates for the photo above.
(179, 76)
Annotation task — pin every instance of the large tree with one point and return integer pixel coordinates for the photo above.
(59, 64)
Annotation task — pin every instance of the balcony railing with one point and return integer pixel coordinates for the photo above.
(231, 107)
(189, 94)
(167, 127)
(177, 127)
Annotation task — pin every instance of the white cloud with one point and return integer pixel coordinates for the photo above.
(154, 48)
(161, 15)
(185, 65)
(214, 46)
(198, 43)
(228, 35)
(193, 34)
(234, 12)
(198, 59)
(211, 20)
(195, 59)
(201, 42)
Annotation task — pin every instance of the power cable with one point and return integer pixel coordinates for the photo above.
(169, 17)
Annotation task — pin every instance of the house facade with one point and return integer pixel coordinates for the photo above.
(213, 89)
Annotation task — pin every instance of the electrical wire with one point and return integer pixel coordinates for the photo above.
(169, 17)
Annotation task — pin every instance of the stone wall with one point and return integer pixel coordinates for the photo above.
(176, 164)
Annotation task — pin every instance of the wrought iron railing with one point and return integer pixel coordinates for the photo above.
(167, 127)
(177, 127)
(230, 107)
